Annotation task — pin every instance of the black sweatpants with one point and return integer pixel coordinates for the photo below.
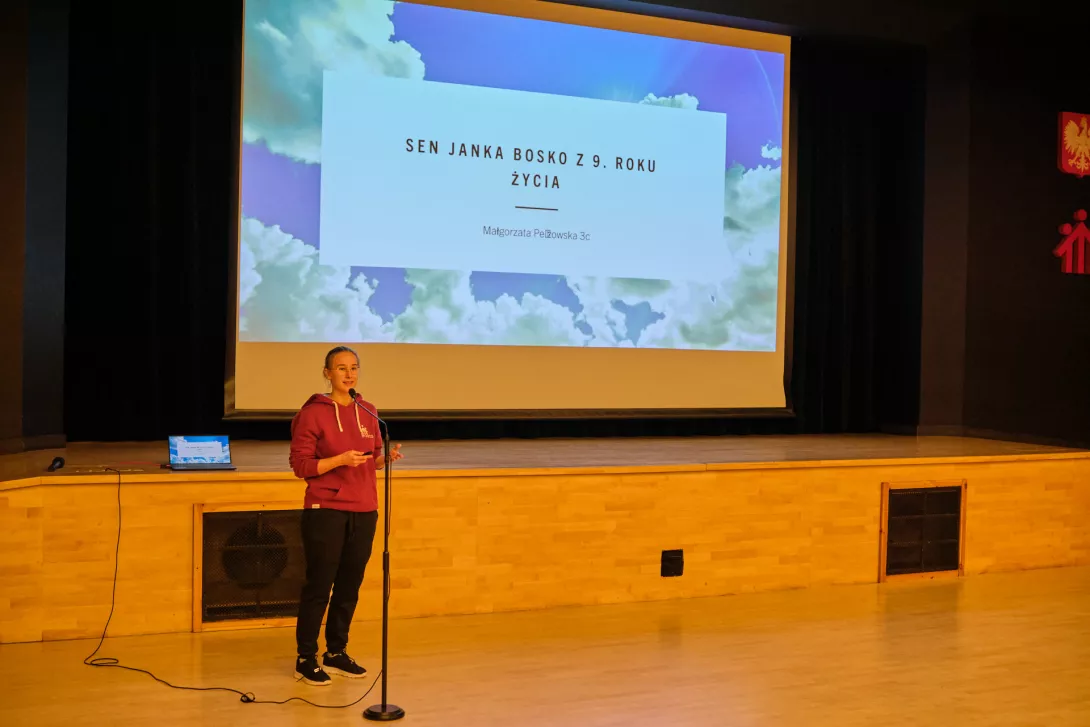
(337, 546)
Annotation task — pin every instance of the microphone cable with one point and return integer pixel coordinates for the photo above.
(110, 662)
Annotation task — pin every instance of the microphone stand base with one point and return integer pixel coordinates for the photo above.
(383, 713)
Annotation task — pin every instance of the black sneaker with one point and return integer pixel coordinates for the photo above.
(308, 672)
(343, 664)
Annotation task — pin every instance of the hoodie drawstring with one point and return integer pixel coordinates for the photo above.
(337, 411)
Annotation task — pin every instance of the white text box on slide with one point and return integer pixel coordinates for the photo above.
(385, 206)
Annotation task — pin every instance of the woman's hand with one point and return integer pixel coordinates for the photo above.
(352, 458)
(395, 455)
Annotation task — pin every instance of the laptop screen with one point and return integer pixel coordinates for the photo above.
(200, 450)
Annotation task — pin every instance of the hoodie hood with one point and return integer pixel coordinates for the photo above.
(321, 399)
(318, 399)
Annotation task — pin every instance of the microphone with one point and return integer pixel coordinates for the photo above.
(384, 430)
(55, 465)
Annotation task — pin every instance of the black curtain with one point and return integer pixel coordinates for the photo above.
(859, 222)
(149, 216)
(151, 183)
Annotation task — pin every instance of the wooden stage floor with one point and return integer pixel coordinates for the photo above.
(1003, 649)
(252, 456)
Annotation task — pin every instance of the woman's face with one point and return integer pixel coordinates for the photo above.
(343, 372)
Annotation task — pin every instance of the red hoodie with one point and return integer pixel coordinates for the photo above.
(323, 428)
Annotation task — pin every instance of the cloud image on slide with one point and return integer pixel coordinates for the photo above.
(287, 295)
(680, 101)
(288, 46)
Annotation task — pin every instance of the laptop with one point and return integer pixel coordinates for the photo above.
(200, 453)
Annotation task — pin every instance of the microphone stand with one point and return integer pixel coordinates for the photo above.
(384, 712)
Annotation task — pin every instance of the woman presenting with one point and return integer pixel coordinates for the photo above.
(336, 447)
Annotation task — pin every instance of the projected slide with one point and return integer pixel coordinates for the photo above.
(424, 175)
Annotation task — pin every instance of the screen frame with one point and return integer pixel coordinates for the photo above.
(511, 8)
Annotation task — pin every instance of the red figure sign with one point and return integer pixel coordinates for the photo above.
(1072, 249)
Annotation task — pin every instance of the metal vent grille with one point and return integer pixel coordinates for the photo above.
(253, 565)
(923, 534)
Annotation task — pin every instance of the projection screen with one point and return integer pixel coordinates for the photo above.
(508, 205)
